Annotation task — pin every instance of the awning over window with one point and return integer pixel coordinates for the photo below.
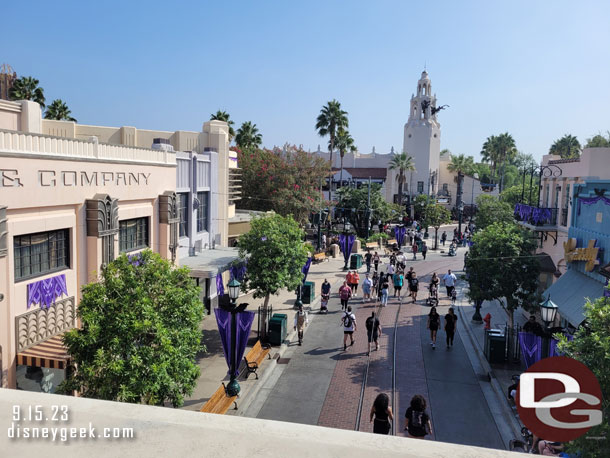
(570, 291)
(50, 354)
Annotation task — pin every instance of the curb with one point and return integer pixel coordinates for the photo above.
(499, 392)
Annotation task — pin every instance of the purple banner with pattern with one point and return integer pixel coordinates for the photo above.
(346, 243)
(238, 271)
(399, 234)
(531, 348)
(305, 269)
(244, 324)
(220, 288)
(223, 319)
(46, 292)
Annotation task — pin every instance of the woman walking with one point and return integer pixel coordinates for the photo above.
(367, 285)
(375, 288)
(417, 421)
(450, 325)
(381, 413)
(433, 324)
(414, 286)
(355, 282)
(385, 291)
(345, 292)
(398, 281)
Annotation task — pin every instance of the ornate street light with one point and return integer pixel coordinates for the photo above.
(548, 311)
(346, 230)
(233, 387)
(234, 288)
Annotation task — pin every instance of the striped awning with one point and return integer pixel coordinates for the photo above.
(50, 353)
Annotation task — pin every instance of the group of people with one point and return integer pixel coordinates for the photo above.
(417, 420)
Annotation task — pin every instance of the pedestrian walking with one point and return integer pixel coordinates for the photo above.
(444, 238)
(398, 281)
(355, 282)
(368, 257)
(373, 331)
(409, 273)
(376, 261)
(381, 414)
(434, 320)
(349, 326)
(414, 251)
(449, 281)
(417, 421)
(367, 285)
(324, 242)
(392, 259)
(375, 281)
(385, 291)
(300, 321)
(391, 269)
(380, 285)
(450, 325)
(414, 286)
(345, 293)
(401, 261)
(424, 250)
(349, 277)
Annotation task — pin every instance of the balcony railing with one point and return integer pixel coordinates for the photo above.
(564, 217)
(536, 216)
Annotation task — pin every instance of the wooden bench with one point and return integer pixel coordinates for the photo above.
(319, 257)
(219, 402)
(372, 245)
(255, 356)
(390, 246)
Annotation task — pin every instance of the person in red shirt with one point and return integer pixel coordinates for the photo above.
(345, 292)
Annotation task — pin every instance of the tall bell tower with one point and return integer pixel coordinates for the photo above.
(422, 139)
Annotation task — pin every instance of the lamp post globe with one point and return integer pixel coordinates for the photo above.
(548, 311)
(234, 288)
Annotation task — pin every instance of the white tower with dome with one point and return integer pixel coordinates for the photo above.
(422, 139)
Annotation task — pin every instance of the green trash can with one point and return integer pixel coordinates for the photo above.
(308, 292)
(495, 346)
(278, 328)
(355, 261)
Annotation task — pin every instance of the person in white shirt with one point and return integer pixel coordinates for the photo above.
(391, 269)
(300, 321)
(449, 280)
(348, 320)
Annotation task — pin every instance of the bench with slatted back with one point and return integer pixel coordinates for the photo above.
(219, 402)
(372, 245)
(255, 356)
(319, 257)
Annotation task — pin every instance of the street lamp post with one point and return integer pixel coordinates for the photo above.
(459, 202)
(548, 311)
(346, 230)
(460, 212)
(233, 387)
(477, 311)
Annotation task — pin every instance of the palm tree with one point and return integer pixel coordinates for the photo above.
(330, 119)
(489, 154)
(506, 150)
(403, 163)
(568, 147)
(26, 88)
(248, 136)
(462, 165)
(59, 111)
(224, 116)
(344, 142)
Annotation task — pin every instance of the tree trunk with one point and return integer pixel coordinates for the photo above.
(264, 319)
(341, 174)
(330, 168)
(400, 180)
(436, 238)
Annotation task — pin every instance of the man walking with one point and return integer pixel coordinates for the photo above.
(349, 326)
(367, 259)
(373, 331)
(444, 238)
(449, 281)
(300, 321)
(345, 292)
(376, 261)
(424, 250)
(414, 250)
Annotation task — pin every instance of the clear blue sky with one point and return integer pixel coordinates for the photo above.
(537, 69)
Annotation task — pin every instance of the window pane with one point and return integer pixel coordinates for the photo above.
(184, 216)
(40, 253)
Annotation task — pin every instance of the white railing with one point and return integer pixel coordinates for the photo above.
(19, 142)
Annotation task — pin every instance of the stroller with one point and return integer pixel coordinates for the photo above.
(432, 300)
(452, 249)
(324, 303)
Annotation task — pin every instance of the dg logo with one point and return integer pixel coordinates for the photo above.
(559, 399)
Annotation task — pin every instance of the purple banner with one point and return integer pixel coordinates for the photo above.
(220, 289)
(244, 324)
(531, 348)
(346, 243)
(238, 271)
(534, 215)
(46, 292)
(592, 200)
(399, 234)
(305, 269)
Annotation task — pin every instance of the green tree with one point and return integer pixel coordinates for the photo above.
(434, 216)
(513, 194)
(139, 333)
(59, 111)
(226, 117)
(276, 254)
(248, 136)
(490, 155)
(491, 210)
(500, 266)
(598, 141)
(568, 147)
(461, 165)
(591, 346)
(345, 143)
(26, 88)
(330, 119)
(403, 163)
(498, 150)
(523, 160)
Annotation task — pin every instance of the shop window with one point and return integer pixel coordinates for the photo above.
(41, 253)
(202, 211)
(420, 187)
(133, 234)
(183, 207)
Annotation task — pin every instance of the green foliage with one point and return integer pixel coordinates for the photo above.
(378, 236)
(500, 264)
(420, 203)
(484, 172)
(226, 117)
(491, 210)
(403, 163)
(26, 88)
(568, 147)
(435, 216)
(59, 111)
(498, 150)
(309, 247)
(330, 119)
(139, 335)
(285, 182)
(598, 141)
(461, 164)
(591, 346)
(248, 137)
(276, 254)
(513, 194)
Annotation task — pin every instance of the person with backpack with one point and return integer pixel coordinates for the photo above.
(414, 286)
(300, 321)
(367, 285)
(398, 281)
(373, 331)
(345, 292)
(417, 421)
(368, 257)
(349, 326)
(450, 325)
(434, 321)
(381, 413)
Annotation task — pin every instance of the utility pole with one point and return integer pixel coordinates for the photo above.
(368, 209)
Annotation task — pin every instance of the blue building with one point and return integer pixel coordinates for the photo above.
(587, 252)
